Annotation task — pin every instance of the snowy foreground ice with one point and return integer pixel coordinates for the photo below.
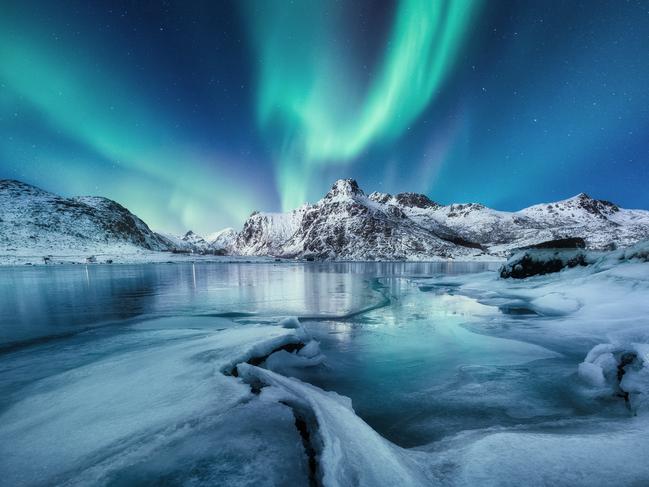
(330, 375)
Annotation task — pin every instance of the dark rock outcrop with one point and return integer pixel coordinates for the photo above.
(536, 262)
(561, 243)
(415, 200)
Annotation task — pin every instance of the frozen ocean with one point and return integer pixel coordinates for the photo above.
(335, 374)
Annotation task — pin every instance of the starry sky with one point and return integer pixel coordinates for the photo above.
(194, 114)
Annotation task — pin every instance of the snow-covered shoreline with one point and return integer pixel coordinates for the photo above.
(153, 257)
(114, 258)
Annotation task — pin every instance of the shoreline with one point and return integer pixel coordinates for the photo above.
(153, 257)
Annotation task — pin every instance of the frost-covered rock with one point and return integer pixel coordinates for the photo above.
(537, 262)
(545, 259)
(621, 368)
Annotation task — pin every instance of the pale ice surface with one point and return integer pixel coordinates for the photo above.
(404, 374)
(104, 401)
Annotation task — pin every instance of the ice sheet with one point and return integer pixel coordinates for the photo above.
(116, 400)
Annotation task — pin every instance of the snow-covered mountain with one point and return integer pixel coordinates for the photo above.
(223, 239)
(346, 224)
(267, 233)
(350, 225)
(189, 242)
(217, 243)
(31, 218)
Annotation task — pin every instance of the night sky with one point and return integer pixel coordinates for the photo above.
(194, 114)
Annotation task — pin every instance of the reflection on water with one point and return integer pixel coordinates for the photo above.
(416, 373)
(44, 301)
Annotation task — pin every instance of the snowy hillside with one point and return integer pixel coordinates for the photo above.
(42, 222)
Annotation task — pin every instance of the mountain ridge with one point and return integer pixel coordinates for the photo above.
(346, 224)
(472, 229)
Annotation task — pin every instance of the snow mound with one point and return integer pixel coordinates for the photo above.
(621, 368)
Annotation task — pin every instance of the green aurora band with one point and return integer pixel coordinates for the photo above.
(308, 100)
(102, 112)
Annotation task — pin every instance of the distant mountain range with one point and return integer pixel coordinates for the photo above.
(346, 224)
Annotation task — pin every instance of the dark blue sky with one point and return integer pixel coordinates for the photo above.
(195, 115)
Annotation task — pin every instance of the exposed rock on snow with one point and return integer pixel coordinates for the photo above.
(562, 243)
(545, 258)
(537, 262)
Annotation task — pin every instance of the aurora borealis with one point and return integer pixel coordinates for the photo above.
(308, 95)
(195, 114)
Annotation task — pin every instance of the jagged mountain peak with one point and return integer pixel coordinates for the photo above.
(415, 200)
(348, 224)
(379, 197)
(578, 203)
(595, 206)
(344, 188)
